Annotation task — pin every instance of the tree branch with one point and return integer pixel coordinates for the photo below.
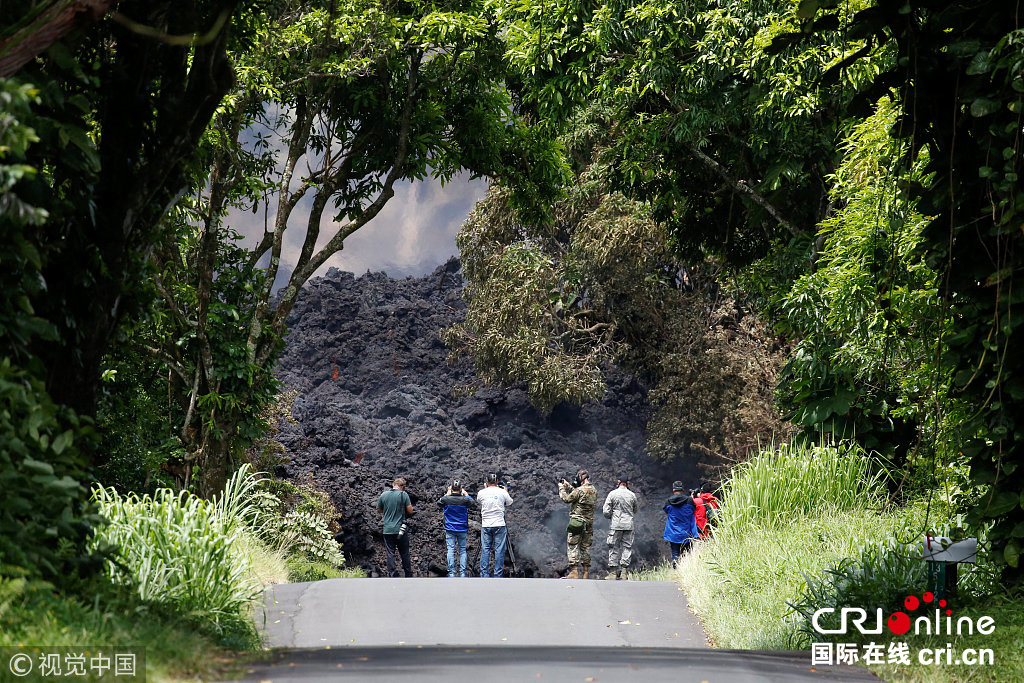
(743, 188)
(45, 27)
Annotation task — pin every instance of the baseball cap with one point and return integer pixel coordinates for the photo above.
(677, 486)
(624, 478)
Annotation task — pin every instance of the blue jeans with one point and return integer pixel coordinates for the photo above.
(451, 538)
(492, 537)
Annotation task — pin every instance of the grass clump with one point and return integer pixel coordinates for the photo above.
(777, 485)
(34, 613)
(805, 528)
(178, 551)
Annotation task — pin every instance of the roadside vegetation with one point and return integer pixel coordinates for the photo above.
(804, 528)
(183, 576)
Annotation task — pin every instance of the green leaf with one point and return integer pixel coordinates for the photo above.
(1011, 553)
(62, 442)
(807, 9)
(1001, 503)
(37, 466)
(983, 106)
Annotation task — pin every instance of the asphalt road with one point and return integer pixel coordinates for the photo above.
(426, 630)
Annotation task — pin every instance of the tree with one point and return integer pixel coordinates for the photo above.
(113, 115)
(119, 121)
(959, 69)
(868, 319)
(549, 305)
(720, 130)
(362, 94)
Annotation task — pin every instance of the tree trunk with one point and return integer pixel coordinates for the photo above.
(213, 458)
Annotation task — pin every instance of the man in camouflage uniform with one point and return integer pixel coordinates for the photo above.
(581, 497)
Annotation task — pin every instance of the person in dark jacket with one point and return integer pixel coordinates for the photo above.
(456, 504)
(680, 523)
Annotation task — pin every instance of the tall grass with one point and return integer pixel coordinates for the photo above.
(786, 514)
(178, 550)
(777, 485)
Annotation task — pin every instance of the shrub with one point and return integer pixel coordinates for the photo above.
(46, 516)
(298, 519)
(880, 575)
(177, 550)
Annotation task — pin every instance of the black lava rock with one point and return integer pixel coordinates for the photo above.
(378, 400)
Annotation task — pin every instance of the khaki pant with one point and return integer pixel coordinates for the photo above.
(620, 547)
(579, 545)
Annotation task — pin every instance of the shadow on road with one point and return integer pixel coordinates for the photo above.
(546, 664)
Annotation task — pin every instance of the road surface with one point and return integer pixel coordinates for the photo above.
(426, 630)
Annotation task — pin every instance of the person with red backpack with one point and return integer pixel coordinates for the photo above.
(706, 508)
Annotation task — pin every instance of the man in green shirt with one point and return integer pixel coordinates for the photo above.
(394, 506)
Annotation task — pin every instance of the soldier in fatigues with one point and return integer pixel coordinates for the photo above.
(582, 496)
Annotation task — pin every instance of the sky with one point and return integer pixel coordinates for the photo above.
(412, 235)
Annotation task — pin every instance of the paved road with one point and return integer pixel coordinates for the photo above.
(427, 630)
(538, 612)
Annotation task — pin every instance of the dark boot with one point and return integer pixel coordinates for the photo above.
(618, 573)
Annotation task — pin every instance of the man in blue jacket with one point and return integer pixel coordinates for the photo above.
(456, 523)
(680, 522)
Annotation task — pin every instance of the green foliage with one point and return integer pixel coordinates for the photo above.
(879, 575)
(726, 138)
(177, 550)
(550, 304)
(301, 569)
(869, 317)
(782, 483)
(46, 518)
(964, 104)
(133, 424)
(300, 520)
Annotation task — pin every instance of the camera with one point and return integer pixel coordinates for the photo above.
(573, 482)
(403, 531)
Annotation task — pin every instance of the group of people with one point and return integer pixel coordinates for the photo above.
(688, 518)
(395, 506)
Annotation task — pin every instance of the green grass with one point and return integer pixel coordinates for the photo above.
(739, 584)
(178, 550)
(32, 614)
(777, 485)
(785, 517)
(1006, 643)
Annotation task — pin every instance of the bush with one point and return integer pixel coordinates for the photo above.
(880, 575)
(46, 516)
(178, 550)
(298, 519)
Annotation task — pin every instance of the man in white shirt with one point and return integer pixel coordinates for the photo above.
(493, 500)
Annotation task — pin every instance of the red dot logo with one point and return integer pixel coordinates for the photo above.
(949, 611)
(942, 603)
(899, 623)
(928, 597)
(911, 603)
